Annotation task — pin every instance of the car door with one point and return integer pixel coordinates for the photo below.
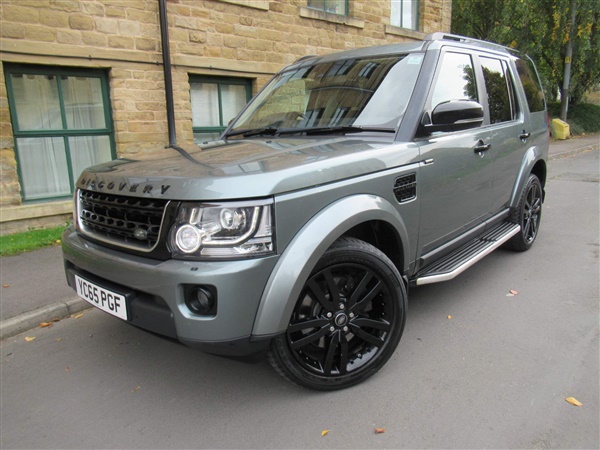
(507, 126)
(456, 173)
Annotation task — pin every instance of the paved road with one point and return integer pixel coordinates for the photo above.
(495, 375)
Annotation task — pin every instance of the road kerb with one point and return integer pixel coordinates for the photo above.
(31, 319)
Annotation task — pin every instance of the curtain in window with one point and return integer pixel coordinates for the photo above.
(37, 102)
(88, 151)
(205, 105)
(84, 108)
(51, 112)
(43, 166)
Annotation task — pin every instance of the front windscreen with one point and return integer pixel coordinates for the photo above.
(368, 92)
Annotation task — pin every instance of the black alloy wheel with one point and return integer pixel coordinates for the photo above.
(347, 321)
(528, 214)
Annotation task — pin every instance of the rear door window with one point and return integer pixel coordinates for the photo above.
(499, 90)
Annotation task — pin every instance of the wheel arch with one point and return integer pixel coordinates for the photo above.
(533, 162)
(357, 216)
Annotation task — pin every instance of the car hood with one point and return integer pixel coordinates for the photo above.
(247, 168)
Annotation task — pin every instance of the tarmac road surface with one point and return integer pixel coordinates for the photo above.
(494, 375)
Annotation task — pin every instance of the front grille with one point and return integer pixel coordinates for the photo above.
(124, 221)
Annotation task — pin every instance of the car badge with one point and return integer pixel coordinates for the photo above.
(140, 233)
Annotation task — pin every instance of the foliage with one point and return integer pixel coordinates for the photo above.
(13, 244)
(583, 118)
(540, 28)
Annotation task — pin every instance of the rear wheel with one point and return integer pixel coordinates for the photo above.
(347, 321)
(528, 214)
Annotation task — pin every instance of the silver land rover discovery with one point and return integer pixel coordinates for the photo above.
(347, 179)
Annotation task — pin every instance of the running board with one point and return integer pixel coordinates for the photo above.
(461, 259)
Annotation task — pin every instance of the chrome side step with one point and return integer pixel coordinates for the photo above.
(461, 259)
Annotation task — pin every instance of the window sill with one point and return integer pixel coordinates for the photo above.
(257, 4)
(309, 13)
(404, 32)
(36, 210)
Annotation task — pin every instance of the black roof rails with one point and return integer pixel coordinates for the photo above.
(304, 57)
(438, 36)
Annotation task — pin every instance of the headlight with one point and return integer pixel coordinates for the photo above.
(234, 230)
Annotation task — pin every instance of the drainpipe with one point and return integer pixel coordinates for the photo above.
(166, 53)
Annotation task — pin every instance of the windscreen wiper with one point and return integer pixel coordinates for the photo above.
(269, 131)
(337, 129)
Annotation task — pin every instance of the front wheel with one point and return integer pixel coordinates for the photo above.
(347, 321)
(528, 214)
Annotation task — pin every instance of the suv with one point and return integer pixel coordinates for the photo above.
(348, 178)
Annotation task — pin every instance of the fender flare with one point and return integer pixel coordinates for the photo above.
(531, 157)
(306, 248)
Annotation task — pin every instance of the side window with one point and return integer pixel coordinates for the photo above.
(455, 80)
(531, 85)
(405, 14)
(215, 101)
(330, 6)
(62, 124)
(498, 90)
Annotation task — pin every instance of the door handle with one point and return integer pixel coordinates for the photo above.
(481, 147)
(524, 135)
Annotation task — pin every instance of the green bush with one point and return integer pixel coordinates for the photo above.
(583, 118)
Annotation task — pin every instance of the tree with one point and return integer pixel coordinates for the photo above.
(540, 28)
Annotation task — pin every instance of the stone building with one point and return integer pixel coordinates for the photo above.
(82, 81)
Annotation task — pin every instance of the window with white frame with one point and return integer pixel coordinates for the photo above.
(405, 14)
(215, 101)
(61, 124)
(330, 6)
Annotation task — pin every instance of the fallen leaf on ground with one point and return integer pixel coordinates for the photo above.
(5, 285)
(574, 401)
(45, 324)
(449, 316)
(58, 339)
(29, 339)
(58, 241)
(67, 369)
(324, 432)
(137, 388)
(379, 430)
(77, 316)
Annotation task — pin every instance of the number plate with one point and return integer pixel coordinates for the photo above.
(109, 301)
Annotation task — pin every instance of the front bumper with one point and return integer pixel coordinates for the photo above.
(155, 293)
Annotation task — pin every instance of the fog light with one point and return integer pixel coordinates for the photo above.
(200, 301)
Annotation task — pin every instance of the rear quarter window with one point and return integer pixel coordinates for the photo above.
(531, 85)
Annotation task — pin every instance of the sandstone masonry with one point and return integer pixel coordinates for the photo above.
(251, 39)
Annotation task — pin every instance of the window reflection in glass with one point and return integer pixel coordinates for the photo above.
(331, 6)
(360, 92)
(497, 90)
(455, 80)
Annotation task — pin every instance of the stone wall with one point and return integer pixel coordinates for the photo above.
(246, 38)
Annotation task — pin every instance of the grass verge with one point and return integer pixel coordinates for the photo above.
(14, 244)
(583, 118)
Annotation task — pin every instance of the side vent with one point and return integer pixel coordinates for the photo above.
(405, 188)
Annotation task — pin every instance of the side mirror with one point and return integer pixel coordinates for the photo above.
(455, 115)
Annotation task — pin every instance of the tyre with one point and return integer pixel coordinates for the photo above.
(347, 321)
(527, 214)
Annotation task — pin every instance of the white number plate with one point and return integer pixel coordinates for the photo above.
(109, 301)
